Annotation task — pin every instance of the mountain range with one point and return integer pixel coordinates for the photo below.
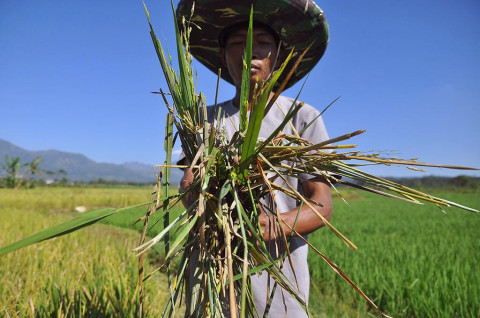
(81, 168)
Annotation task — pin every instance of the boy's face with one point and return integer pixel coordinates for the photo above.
(264, 50)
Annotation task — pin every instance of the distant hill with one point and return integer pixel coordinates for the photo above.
(81, 168)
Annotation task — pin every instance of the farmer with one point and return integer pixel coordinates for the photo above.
(279, 26)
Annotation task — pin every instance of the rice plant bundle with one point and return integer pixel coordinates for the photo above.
(216, 243)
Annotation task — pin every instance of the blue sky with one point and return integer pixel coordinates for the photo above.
(77, 75)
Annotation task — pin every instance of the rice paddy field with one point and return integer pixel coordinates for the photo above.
(413, 261)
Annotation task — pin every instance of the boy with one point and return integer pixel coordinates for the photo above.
(219, 43)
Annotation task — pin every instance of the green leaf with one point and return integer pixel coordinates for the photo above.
(187, 92)
(246, 74)
(181, 236)
(142, 248)
(86, 219)
(166, 174)
(181, 92)
(167, 70)
(293, 110)
(256, 118)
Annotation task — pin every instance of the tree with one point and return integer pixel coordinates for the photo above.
(12, 167)
(64, 180)
(33, 169)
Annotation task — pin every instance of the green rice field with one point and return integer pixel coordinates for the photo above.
(89, 273)
(413, 261)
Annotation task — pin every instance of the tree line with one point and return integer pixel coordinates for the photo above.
(29, 174)
(18, 174)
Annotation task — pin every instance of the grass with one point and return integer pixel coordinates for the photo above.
(412, 261)
(155, 222)
(60, 200)
(90, 273)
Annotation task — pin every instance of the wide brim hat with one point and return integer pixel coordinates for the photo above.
(298, 23)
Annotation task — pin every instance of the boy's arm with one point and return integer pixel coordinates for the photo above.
(316, 189)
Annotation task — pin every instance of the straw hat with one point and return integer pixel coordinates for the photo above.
(296, 22)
